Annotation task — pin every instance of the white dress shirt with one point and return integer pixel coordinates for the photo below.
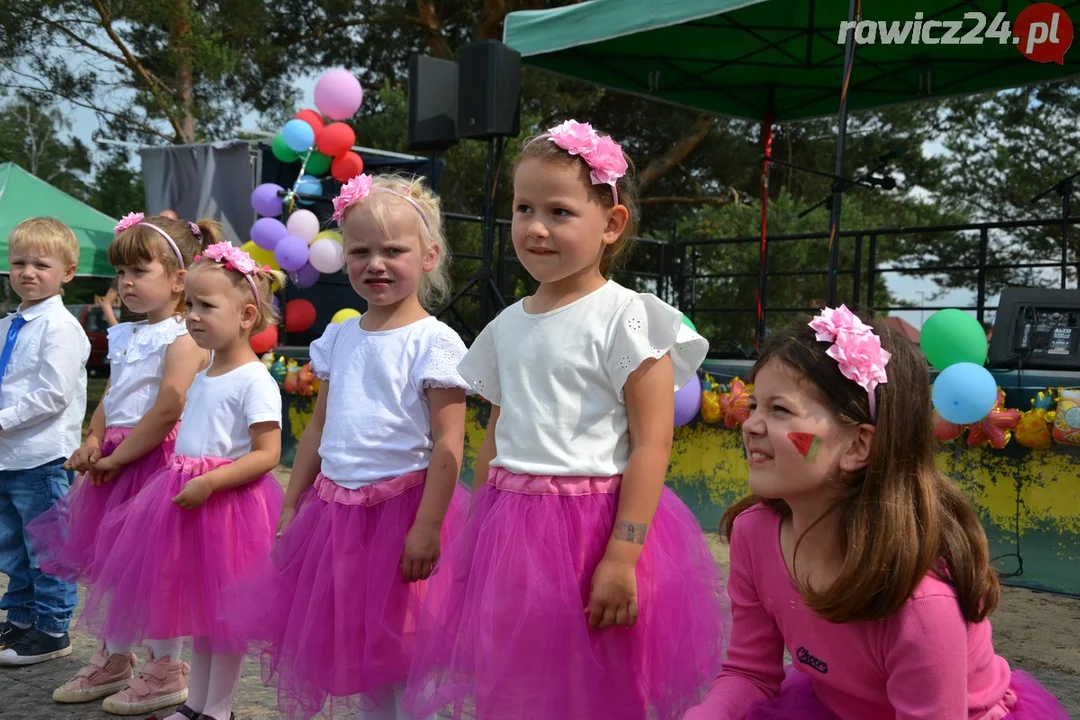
(43, 391)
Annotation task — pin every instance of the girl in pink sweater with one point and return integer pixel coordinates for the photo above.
(854, 551)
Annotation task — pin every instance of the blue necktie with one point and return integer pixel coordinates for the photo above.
(9, 343)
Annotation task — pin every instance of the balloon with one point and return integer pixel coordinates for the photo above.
(266, 201)
(344, 314)
(995, 429)
(964, 393)
(303, 224)
(263, 257)
(944, 430)
(312, 118)
(346, 167)
(305, 277)
(282, 151)
(325, 255)
(264, 341)
(687, 401)
(291, 253)
(952, 336)
(338, 94)
(689, 323)
(317, 164)
(267, 231)
(309, 185)
(330, 235)
(298, 135)
(299, 315)
(336, 139)
(735, 404)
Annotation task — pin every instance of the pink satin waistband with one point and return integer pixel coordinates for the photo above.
(116, 434)
(503, 479)
(373, 494)
(196, 466)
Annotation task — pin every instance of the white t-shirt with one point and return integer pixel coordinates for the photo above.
(378, 424)
(136, 364)
(558, 377)
(220, 410)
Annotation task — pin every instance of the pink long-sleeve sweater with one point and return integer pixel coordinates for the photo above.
(923, 662)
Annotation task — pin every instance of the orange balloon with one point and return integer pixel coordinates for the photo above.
(335, 139)
(346, 167)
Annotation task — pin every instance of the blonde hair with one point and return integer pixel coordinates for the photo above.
(267, 281)
(542, 148)
(48, 235)
(435, 284)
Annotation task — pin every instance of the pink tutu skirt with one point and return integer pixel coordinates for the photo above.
(159, 568)
(63, 537)
(1026, 700)
(329, 609)
(511, 640)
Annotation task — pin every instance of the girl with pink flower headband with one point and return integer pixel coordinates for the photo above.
(583, 589)
(153, 363)
(854, 551)
(374, 494)
(163, 559)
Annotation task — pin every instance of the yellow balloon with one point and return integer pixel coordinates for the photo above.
(329, 234)
(263, 257)
(344, 314)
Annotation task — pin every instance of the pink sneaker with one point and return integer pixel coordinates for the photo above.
(161, 683)
(104, 675)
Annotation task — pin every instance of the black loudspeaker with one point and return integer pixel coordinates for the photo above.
(433, 103)
(1038, 329)
(489, 90)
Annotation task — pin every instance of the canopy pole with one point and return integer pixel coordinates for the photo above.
(763, 259)
(854, 8)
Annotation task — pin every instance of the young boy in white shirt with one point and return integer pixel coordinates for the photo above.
(43, 353)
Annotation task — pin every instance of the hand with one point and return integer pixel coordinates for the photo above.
(613, 595)
(195, 493)
(287, 515)
(104, 470)
(420, 553)
(83, 459)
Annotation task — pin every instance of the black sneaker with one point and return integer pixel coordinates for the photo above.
(9, 633)
(36, 647)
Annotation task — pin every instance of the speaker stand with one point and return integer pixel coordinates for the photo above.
(491, 297)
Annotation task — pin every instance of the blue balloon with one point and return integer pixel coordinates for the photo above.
(308, 185)
(298, 135)
(964, 393)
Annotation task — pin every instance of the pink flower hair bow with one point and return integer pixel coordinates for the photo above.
(856, 349)
(359, 188)
(129, 220)
(233, 258)
(603, 155)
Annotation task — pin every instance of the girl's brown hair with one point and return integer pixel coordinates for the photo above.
(900, 517)
(140, 244)
(541, 147)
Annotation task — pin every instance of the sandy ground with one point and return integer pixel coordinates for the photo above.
(1037, 631)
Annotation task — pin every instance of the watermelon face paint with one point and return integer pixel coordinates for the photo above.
(807, 444)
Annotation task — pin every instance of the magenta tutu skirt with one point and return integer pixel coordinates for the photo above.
(511, 640)
(328, 609)
(159, 568)
(63, 537)
(1026, 700)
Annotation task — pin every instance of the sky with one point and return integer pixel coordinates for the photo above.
(908, 288)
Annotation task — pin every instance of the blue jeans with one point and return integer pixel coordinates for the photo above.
(32, 596)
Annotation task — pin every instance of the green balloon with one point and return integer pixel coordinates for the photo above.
(281, 151)
(318, 164)
(952, 336)
(689, 323)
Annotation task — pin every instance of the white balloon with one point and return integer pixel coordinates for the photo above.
(303, 224)
(325, 255)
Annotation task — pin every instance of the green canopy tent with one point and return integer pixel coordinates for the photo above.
(783, 60)
(23, 196)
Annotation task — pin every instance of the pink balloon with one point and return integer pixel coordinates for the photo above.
(338, 94)
(303, 224)
(325, 255)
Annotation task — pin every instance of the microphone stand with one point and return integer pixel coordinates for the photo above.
(1064, 189)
